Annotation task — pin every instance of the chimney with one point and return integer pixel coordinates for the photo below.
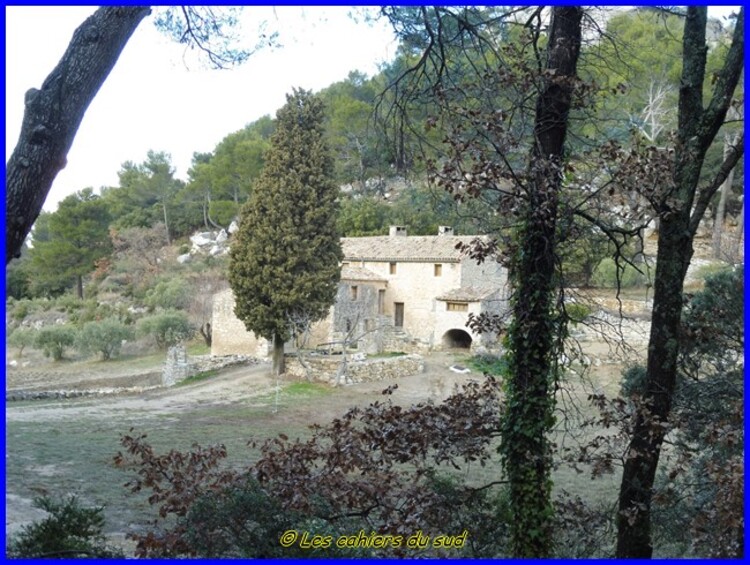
(396, 231)
(445, 230)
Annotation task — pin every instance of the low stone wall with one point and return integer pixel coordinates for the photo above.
(324, 369)
(147, 381)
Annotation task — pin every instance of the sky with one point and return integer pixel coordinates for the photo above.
(160, 97)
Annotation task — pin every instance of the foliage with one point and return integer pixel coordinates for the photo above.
(20, 338)
(577, 312)
(374, 468)
(53, 340)
(609, 274)
(709, 414)
(286, 254)
(77, 235)
(103, 337)
(69, 531)
(166, 328)
(489, 364)
(169, 294)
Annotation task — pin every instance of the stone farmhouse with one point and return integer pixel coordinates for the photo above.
(397, 293)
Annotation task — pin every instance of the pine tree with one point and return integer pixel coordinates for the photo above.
(285, 258)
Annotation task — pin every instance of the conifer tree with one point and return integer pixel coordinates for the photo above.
(285, 258)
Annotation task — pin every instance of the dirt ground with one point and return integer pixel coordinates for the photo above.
(236, 398)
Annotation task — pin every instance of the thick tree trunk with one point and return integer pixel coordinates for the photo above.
(530, 402)
(54, 113)
(697, 129)
(279, 366)
(79, 287)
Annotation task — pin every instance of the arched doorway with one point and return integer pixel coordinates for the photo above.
(456, 339)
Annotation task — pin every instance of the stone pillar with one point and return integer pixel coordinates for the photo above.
(176, 368)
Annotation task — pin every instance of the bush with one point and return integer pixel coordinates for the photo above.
(104, 337)
(54, 339)
(173, 294)
(489, 364)
(605, 275)
(577, 312)
(22, 338)
(167, 328)
(633, 381)
(69, 531)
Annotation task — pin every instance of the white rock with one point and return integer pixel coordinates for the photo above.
(202, 238)
(13, 363)
(460, 369)
(222, 237)
(233, 227)
(215, 250)
(184, 258)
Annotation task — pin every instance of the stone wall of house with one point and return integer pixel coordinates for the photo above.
(324, 369)
(229, 336)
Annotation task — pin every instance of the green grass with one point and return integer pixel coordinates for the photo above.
(386, 355)
(487, 364)
(305, 389)
(202, 376)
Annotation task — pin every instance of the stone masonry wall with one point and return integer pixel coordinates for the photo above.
(324, 369)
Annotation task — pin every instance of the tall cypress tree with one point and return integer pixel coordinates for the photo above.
(286, 254)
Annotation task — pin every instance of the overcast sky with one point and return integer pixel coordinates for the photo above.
(151, 100)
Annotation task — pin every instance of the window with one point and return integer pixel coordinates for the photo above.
(353, 292)
(392, 267)
(345, 264)
(381, 301)
(369, 324)
(348, 325)
(457, 306)
(438, 269)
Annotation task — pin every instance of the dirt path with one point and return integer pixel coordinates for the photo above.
(59, 446)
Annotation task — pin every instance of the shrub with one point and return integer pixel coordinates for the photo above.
(22, 338)
(104, 337)
(577, 312)
(54, 339)
(172, 294)
(633, 381)
(605, 275)
(167, 328)
(489, 364)
(69, 531)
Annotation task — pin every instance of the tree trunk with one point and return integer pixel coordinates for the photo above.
(526, 450)
(54, 113)
(79, 287)
(697, 128)
(166, 222)
(725, 188)
(279, 366)
(739, 237)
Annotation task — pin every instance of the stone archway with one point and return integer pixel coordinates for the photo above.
(456, 339)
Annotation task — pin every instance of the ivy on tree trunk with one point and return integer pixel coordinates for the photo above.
(530, 396)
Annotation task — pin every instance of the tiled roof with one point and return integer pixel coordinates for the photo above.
(359, 274)
(406, 248)
(468, 294)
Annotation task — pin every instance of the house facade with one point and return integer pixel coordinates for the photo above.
(397, 293)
